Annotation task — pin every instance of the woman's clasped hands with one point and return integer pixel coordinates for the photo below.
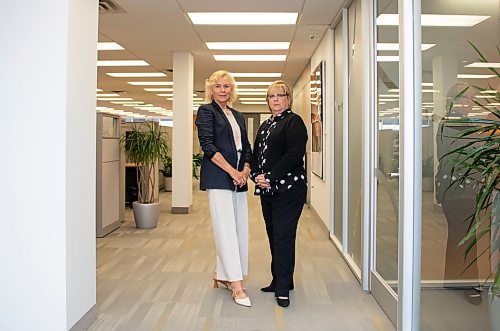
(240, 177)
(261, 181)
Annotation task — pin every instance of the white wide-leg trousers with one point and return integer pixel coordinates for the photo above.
(229, 213)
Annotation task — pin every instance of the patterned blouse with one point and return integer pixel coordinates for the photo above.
(279, 152)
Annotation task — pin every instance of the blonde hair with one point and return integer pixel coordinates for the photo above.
(280, 85)
(214, 78)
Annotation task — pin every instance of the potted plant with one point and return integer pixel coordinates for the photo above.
(167, 172)
(197, 159)
(479, 157)
(145, 144)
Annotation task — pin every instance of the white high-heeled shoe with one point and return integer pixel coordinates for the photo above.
(241, 301)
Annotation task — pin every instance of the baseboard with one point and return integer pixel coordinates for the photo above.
(180, 210)
(86, 321)
(319, 220)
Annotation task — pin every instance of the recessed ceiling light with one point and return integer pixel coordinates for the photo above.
(258, 45)
(165, 95)
(484, 65)
(98, 90)
(427, 84)
(221, 57)
(253, 93)
(151, 83)
(489, 91)
(253, 99)
(104, 95)
(254, 83)
(108, 46)
(150, 108)
(484, 96)
(435, 20)
(136, 74)
(256, 74)
(127, 103)
(472, 76)
(243, 18)
(395, 46)
(387, 58)
(159, 89)
(114, 99)
(251, 89)
(121, 63)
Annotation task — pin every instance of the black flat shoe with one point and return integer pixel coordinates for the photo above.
(283, 301)
(271, 288)
(268, 289)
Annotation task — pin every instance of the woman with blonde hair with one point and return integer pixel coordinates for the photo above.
(224, 172)
(279, 176)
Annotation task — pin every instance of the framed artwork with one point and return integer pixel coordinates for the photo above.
(318, 119)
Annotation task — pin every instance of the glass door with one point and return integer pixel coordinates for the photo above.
(384, 275)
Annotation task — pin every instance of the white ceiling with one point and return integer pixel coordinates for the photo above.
(151, 30)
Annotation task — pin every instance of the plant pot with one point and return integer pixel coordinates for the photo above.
(146, 215)
(168, 183)
(494, 311)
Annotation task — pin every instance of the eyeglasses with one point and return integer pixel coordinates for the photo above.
(279, 96)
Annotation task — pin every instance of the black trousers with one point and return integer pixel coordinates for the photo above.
(281, 213)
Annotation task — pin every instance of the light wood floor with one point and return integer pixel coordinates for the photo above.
(161, 279)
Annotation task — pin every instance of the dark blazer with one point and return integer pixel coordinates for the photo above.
(215, 135)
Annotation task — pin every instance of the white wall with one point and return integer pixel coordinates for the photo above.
(47, 200)
(81, 159)
(321, 197)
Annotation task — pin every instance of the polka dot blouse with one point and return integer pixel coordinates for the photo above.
(279, 153)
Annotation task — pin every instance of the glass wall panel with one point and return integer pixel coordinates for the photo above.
(387, 190)
(455, 87)
(338, 121)
(355, 132)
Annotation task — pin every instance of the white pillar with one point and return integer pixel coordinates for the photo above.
(47, 195)
(182, 133)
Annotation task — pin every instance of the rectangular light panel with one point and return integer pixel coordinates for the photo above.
(221, 57)
(136, 74)
(258, 45)
(243, 18)
(122, 63)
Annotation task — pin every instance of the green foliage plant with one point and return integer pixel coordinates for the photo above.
(145, 144)
(479, 157)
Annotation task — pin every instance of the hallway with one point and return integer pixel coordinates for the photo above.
(161, 279)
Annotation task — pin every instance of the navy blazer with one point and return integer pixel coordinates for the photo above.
(215, 135)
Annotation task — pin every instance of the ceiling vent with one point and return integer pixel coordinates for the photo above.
(109, 7)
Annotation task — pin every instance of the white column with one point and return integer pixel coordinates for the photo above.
(47, 195)
(410, 160)
(182, 133)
